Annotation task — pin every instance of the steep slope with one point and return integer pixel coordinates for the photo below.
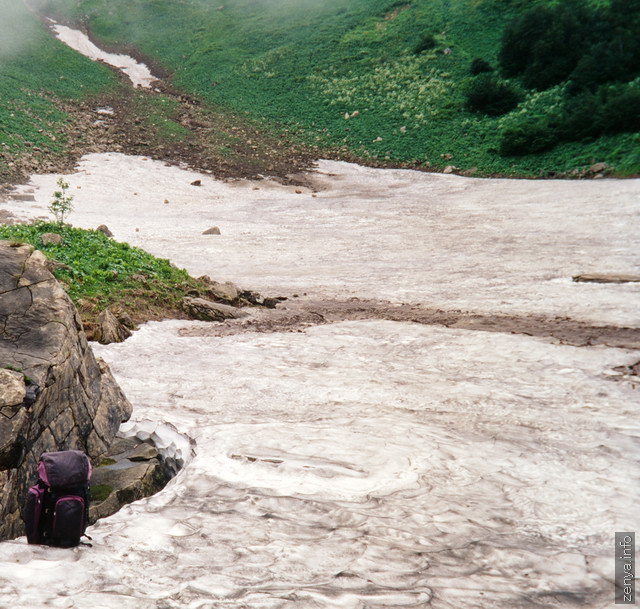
(38, 75)
(387, 81)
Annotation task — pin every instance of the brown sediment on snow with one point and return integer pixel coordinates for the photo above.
(294, 316)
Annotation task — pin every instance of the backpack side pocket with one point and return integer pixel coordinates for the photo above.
(69, 521)
(33, 514)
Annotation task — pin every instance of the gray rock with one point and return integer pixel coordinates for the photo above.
(54, 265)
(598, 167)
(214, 230)
(227, 291)
(12, 388)
(13, 420)
(142, 452)
(131, 470)
(51, 239)
(206, 310)
(79, 405)
(109, 329)
(104, 229)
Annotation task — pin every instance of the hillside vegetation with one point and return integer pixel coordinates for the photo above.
(37, 73)
(99, 273)
(505, 86)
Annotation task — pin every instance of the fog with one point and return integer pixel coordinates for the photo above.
(17, 28)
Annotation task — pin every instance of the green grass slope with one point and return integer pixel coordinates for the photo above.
(36, 71)
(99, 273)
(381, 80)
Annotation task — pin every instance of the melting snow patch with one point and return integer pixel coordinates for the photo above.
(138, 73)
(174, 447)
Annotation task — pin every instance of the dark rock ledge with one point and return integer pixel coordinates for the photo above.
(54, 394)
(131, 470)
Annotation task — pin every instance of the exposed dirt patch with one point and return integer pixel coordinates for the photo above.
(294, 316)
(208, 141)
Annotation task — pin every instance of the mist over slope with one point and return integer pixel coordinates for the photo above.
(38, 74)
(422, 83)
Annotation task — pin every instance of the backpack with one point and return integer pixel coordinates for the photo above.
(57, 506)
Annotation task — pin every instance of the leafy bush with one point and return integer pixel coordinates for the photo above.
(488, 94)
(610, 110)
(619, 109)
(479, 66)
(427, 42)
(613, 59)
(527, 138)
(545, 44)
(61, 204)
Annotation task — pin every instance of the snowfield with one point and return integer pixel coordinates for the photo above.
(366, 464)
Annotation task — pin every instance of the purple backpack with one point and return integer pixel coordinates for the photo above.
(57, 506)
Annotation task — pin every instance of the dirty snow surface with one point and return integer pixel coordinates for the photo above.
(372, 463)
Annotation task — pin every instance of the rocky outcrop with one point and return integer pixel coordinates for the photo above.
(109, 329)
(206, 310)
(56, 395)
(130, 470)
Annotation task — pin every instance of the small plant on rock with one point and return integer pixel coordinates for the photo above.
(61, 204)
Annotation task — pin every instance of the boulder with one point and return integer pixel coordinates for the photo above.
(12, 388)
(13, 392)
(71, 400)
(214, 230)
(130, 471)
(258, 300)
(598, 167)
(104, 229)
(206, 310)
(227, 291)
(51, 239)
(109, 329)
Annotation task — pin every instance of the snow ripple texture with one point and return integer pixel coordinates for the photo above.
(368, 464)
(363, 464)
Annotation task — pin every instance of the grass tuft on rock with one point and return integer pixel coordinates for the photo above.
(100, 492)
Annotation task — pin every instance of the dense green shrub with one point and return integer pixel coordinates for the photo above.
(612, 109)
(488, 94)
(544, 45)
(426, 43)
(479, 66)
(619, 109)
(614, 59)
(527, 138)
